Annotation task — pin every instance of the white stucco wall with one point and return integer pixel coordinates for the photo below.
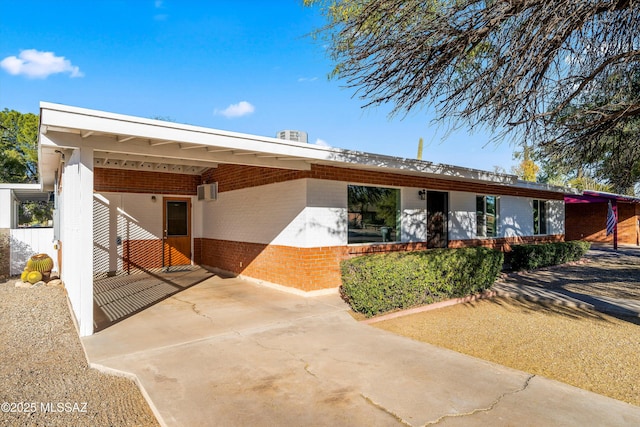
(312, 213)
(326, 213)
(556, 217)
(516, 216)
(128, 216)
(414, 216)
(303, 213)
(462, 215)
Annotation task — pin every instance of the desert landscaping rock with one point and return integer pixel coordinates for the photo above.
(44, 376)
(56, 283)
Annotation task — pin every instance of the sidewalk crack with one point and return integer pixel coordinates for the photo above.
(382, 408)
(194, 308)
(290, 354)
(487, 409)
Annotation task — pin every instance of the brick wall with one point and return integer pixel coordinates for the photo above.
(312, 269)
(307, 269)
(587, 221)
(130, 181)
(235, 177)
(627, 224)
(504, 243)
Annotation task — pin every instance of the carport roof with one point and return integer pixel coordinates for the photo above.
(27, 192)
(129, 142)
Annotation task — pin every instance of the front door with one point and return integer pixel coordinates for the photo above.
(437, 229)
(176, 247)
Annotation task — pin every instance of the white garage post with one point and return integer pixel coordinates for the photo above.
(86, 240)
(6, 208)
(77, 235)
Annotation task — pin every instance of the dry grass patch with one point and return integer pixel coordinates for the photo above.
(580, 347)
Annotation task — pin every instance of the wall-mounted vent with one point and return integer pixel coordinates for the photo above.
(293, 135)
(208, 191)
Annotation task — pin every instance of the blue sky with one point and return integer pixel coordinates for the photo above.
(243, 65)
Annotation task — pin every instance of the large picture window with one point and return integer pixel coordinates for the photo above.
(374, 214)
(487, 216)
(540, 217)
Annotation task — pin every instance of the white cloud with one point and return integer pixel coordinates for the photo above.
(159, 4)
(240, 109)
(322, 143)
(39, 65)
(307, 79)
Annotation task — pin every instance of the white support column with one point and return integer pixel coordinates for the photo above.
(6, 208)
(86, 241)
(76, 234)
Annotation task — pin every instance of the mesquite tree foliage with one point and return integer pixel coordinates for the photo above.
(549, 73)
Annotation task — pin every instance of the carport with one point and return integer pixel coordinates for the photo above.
(122, 244)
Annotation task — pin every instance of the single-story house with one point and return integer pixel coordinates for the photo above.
(586, 217)
(135, 194)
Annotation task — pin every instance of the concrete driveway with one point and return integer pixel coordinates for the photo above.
(227, 352)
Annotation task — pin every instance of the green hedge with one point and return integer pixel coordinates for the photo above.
(530, 257)
(374, 284)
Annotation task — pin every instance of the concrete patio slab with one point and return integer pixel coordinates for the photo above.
(229, 352)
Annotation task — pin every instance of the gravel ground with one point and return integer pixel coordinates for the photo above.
(44, 376)
(580, 347)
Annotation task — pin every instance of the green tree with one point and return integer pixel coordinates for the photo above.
(613, 155)
(19, 161)
(527, 169)
(18, 147)
(560, 74)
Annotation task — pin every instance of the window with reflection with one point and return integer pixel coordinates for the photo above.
(487, 216)
(540, 217)
(374, 214)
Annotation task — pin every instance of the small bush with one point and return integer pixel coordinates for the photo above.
(374, 284)
(530, 257)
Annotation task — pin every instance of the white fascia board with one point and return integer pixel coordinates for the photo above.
(79, 119)
(89, 120)
(29, 187)
(546, 187)
(417, 167)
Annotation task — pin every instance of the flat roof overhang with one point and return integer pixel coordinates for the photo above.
(589, 196)
(129, 142)
(27, 192)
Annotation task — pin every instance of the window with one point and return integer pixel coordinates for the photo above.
(540, 217)
(374, 214)
(487, 216)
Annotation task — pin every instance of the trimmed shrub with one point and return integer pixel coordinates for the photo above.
(530, 257)
(378, 283)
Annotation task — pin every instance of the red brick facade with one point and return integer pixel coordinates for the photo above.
(131, 181)
(303, 268)
(587, 221)
(504, 243)
(308, 269)
(235, 177)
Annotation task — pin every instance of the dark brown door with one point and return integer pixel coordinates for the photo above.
(177, 231)
(437, 229)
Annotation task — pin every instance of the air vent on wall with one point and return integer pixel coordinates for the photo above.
(208, 191)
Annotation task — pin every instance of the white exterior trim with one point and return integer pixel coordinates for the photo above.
(77, 236)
